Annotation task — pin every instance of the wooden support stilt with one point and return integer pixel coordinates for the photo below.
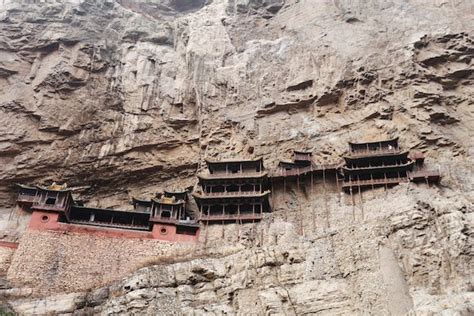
(325, 198)
(284, 196)
(299, 206)
(272, 193)
(361, 203)
(313, 215)
(207, 232)
(238, 222)
(223, 224)
(353, 204)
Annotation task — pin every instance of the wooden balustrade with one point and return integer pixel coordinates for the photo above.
(234, 175)
(368, 182)
(108, 224)
(224, 217)
(362, 153)
(303, 170)
(233, 193)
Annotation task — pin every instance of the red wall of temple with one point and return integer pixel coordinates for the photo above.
(168, 233)
(8, 244)
(49, 221)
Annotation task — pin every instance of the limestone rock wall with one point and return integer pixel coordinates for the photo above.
(124, 98)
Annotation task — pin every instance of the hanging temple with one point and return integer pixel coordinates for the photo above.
(232, 191)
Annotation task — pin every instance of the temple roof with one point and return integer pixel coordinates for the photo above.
(217, 162)
(54, 188)
(171, 192)
(303, 152)
(168, 201)
(375, 154)
(385, 141)
(25, 187)
(140, 201)
(286, 163)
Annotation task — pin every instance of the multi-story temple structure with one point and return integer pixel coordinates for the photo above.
(381, 163)
(166, 218)
(169, 212)
(233, 190)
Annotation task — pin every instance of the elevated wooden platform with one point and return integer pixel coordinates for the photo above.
(302, 171)
(430, 176)
(347, 185)
(230, 217)
(113, 225)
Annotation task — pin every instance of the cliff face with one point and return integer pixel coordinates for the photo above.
(124, 98)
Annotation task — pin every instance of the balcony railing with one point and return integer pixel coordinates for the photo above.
(382, 166)
(424, 174)
(234, 175)
(303, 170)
(375, 152)
(48, 207)
(224, 217)
(233, 193)
(108, 224)
(368, 182)
(25, 198)
(173, 221)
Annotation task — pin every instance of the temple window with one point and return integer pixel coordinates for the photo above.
(51, 201)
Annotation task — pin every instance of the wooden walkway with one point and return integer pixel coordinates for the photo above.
(230, 217)
(296, 172)
(373, 182)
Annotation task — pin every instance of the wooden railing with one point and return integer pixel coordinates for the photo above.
(303, 170)
(173, 220)
(424, 174)
(224, 217)
(357, 183)
(25, 198)
(234, 193)
(234, 175)
(362, 153)
(108, 224)
(48, 207)
(380, 166)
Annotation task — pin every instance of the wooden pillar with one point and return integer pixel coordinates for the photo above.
(284, 196)
(353, 204)
(238, 221)
(223, 208)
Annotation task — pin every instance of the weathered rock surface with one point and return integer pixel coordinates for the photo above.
(123, 98)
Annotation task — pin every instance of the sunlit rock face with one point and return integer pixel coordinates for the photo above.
(125, 98)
